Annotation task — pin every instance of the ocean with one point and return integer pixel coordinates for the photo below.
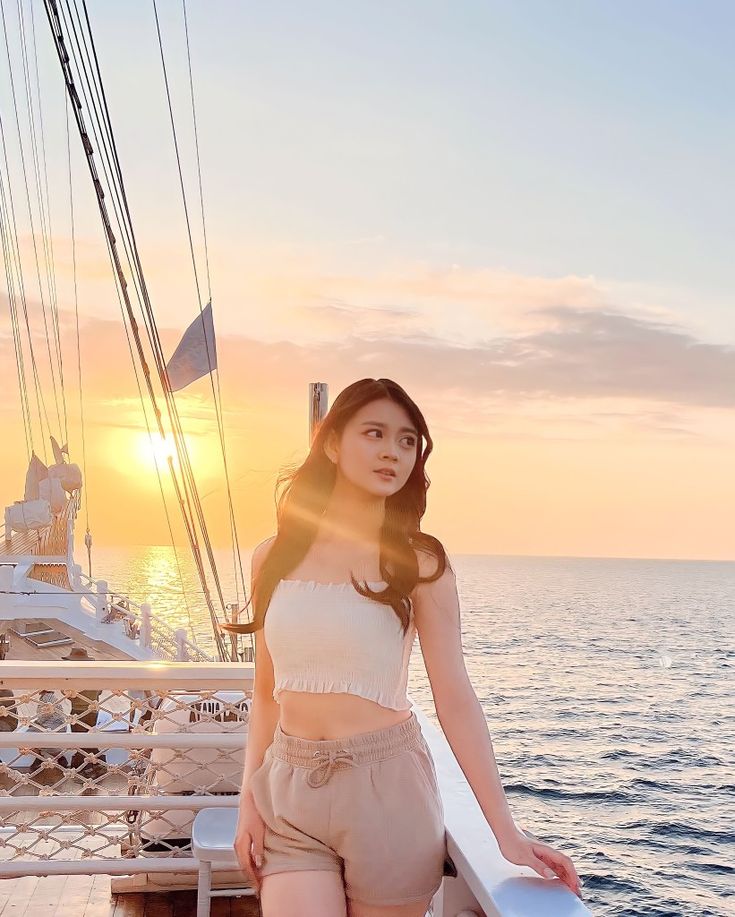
(608, 686)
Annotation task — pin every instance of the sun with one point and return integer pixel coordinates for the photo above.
(137, 454)
(154, 450)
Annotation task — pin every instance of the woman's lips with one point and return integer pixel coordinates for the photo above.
(385, 474)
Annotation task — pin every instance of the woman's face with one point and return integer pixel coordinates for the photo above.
(379, 435)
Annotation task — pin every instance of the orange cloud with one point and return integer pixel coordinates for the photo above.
(612, 430)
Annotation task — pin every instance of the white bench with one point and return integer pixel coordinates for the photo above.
(213, 844)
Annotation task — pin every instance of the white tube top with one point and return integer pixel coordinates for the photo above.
(326, 637)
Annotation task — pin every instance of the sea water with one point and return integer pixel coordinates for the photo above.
(608, 687)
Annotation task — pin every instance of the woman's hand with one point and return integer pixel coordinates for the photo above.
(545, 860)
(249, 840)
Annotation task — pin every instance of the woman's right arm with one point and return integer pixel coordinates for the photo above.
(264, 711)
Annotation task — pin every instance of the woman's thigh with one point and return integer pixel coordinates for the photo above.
(355, 909)
(306, 893)
(387, 824)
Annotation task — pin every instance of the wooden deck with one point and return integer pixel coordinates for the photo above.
(21, 543)
(23, 649)
(89, 896)
(51, 540)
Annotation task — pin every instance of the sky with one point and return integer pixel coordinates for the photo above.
(523, 213)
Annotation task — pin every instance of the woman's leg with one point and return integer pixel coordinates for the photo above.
(305, 893)
(355, 909)
(387, 823)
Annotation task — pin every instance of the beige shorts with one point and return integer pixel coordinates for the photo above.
(366, 806)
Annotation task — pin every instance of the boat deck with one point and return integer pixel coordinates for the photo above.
(89, 896)
(23, 649)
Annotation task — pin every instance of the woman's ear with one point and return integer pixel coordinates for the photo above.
(330, 449)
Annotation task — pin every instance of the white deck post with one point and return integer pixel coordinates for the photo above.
(76, 577)
(8, 529)
(145, 625)
(204, 888)
(102, 590)
(181, 652)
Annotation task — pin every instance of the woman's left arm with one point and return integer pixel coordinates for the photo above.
(437, 616)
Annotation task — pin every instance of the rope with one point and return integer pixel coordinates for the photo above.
(54, 301)
(34, 151)
(216, 394)
(12, 307)
(236, 554)
(188, 498)
(40, 403)
(76, 310)
(150, 439)
(196, 148)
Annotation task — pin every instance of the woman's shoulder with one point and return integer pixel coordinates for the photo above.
(260, 552)
(266, 543)
(428, 558)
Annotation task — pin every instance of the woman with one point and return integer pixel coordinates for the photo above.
(340, 811)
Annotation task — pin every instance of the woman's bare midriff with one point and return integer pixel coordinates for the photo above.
(333, 716)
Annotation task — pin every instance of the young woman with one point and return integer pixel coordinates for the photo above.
(340, 812)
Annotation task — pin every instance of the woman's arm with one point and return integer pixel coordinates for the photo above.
(264, 711)
(437, 616)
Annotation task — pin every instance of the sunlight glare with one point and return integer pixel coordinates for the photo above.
(152, 449)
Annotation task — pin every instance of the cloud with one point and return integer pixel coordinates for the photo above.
(582, 354)
(593, 353)
(575, 365)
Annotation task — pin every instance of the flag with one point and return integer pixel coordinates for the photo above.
(196, 354)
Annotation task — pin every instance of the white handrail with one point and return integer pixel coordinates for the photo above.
(150, 625)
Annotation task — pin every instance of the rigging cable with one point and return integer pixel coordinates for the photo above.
(13, 309)
(87, 534)
(40, 402)
(153, 450)
(237, 556)
(187, 475)
(102, 135)
(100, 115)
(216, 394)
(190, 489)
(44, 207)
(28, 199)
(55, 306)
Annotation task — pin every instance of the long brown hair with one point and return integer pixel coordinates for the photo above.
(303, 500)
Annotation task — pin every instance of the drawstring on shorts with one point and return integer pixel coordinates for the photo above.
(321, 757)
(327, 763)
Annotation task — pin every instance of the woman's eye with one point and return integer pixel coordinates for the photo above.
(411, 439)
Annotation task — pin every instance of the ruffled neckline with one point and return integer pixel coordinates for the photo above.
(313, 584)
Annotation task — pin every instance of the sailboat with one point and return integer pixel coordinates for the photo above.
(116, 728)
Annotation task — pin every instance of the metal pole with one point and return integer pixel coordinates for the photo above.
(318, 406)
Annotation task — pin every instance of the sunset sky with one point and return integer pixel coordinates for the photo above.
(523, 213)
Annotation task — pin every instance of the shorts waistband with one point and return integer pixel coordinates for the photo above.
(362, 748)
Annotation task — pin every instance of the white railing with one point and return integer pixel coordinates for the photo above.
(140, 622)
(98, 777)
